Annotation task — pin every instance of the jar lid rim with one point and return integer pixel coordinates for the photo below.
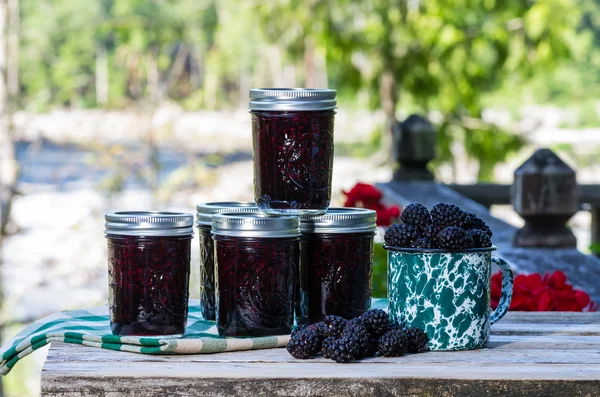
(255, 224)
(290, 99)
(340, 220)
(149, 223)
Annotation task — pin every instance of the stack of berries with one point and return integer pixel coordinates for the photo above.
(345, 341)
(447, 227)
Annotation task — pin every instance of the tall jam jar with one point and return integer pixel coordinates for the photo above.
(148, 272)
(256, 261)
(204, 213)
(336, 264)
(292, 132)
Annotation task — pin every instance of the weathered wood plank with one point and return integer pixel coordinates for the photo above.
(542, 329)
(549, 317)
(332, 387)
(500, 353)
(330, 370)
(555, 354)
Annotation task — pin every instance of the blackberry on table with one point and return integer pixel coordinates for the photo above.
(304, 344)
(376, 321)
(298, 329)
(401, 235)
(356, 332)
(416, 215)
(342, 350)
(416, 340)
(335, 326)
(393, 344)
(455, 238)
(478, 224)
(480, 238)
(445, 215)
(326, 346)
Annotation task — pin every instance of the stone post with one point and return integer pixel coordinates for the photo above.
(414, 142)
(544, 194)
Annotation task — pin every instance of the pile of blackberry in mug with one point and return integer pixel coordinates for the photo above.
(345, 341)
(446, 226)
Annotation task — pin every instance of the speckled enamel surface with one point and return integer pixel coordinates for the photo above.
(445, 294)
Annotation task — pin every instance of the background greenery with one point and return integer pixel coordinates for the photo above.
(453, 57)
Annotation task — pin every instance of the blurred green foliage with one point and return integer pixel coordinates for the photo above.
(451, 57)
(379, 271)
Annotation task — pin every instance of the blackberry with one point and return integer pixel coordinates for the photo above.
(401, 235)
(343, 350)
(326, 346)
(480, 238)
(455, 238)
(357, 332)
(416, 340)
(393, 343)
(424, 242)
(478, 224)
(304, 344)
(376, 321)
(335, 326)
(416, 215)
(445, 215)
(298, 329)
(321, 328)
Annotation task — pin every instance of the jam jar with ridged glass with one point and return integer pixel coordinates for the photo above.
(336, 263)
(292, 136)
(256, 262)
(204, 213)
(148, 272)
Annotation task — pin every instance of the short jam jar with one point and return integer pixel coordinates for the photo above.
(292, 136)
(148, 272)
(256, 261)
(204, 213)
(336, 264)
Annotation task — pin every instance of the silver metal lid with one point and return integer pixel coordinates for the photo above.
(205, 211)
(340, 220)
(255, 225)
(149, 223)
(290, 99)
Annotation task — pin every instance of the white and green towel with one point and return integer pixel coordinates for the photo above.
(91, 327)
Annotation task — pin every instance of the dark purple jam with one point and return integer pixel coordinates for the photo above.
(335, 274)
(207, 273)
(148, 284)
(255, 285)
(293, 160)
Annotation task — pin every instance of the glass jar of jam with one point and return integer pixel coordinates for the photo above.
(204, 213)
(148, 272)
(292, 135)
(256, 260)
(336, 263)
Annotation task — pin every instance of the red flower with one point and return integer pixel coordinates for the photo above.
(367, 196)
(550, 293)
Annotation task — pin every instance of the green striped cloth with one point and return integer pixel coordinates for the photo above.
(91, 327)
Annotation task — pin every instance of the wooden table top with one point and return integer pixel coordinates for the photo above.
(529, 354)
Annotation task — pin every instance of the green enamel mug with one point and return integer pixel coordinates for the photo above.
(446, 294)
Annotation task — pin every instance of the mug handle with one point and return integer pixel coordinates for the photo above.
(507, 290)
